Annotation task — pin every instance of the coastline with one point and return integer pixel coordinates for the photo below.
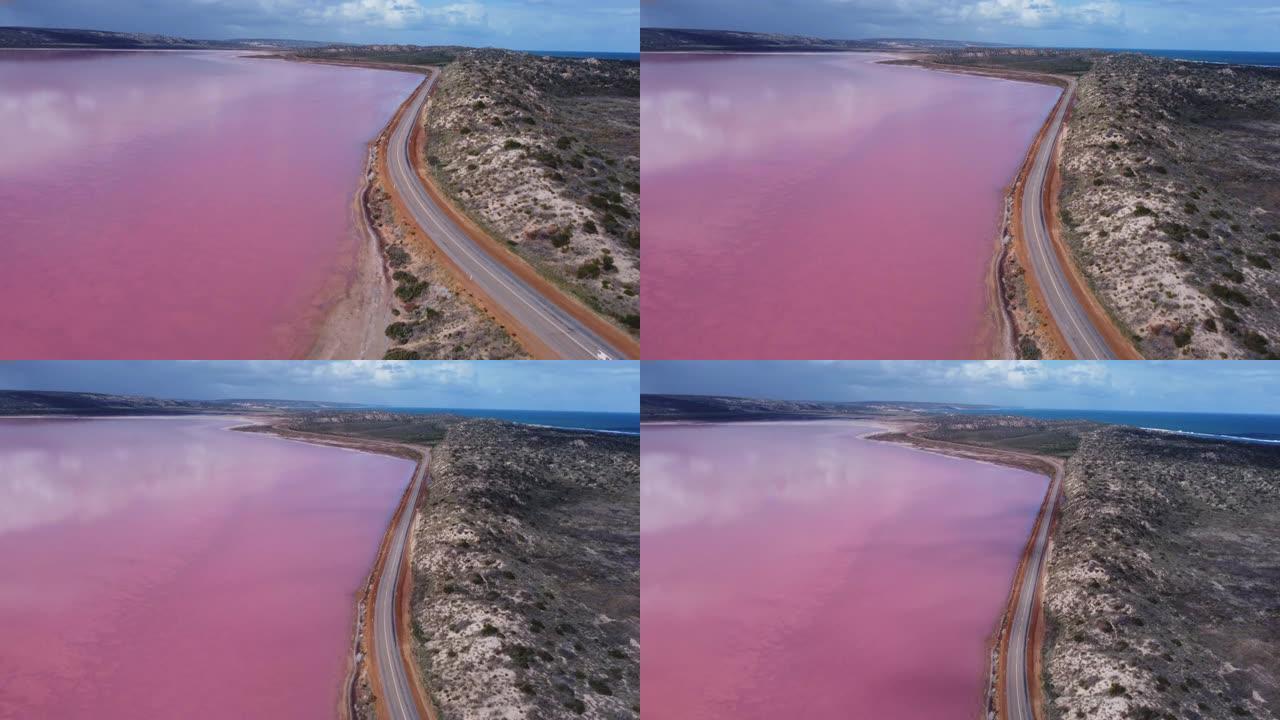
(1037, 324)
(903, 433)
(352, 324)
(351, 702)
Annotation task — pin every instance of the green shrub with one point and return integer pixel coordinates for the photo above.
(631, 321)
(1233, 275)
(1255, 342)
(1201, 233)
(1190, 207)
(1210, 325)
(589, 269)
(1228, 294)
(464, 131)
(589, 227)
(511, 145)
(1259, 261)
(547, 158)
(401, 354)
(1182, 338)
(397, 256)
(563, 142)
(1142, 210)
(561, 237)
(409, 287)
(1274, 236)
(1027, 349)
(399, 331)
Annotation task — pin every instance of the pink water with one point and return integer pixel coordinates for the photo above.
(823, 206)
(166, 568)
(794, 570)
(178, 205)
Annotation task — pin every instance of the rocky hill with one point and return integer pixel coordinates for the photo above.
(1171, 202)
(1163, 590)
(544, 153)
(526, 573)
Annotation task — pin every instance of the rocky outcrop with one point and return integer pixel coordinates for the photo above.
(526, 573)
(1163, 585)
(544, 153)
(1171, 202)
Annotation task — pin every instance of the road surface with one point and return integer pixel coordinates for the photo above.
(396, 688)
(1018, 680)
(557, 329)
(1083, 338)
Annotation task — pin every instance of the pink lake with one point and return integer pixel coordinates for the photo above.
(167, 568)
(795, 570)
(823, 206)
(178, 204)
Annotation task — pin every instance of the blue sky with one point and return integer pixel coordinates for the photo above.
(534, 385)
(1200, 386)
(598, 25)
(1148, 24)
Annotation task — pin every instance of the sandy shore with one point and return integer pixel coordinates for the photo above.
(354, 326)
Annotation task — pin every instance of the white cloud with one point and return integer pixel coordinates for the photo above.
(458, 14)
(1039, 13)
(385, 13)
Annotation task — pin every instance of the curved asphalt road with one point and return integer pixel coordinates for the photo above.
(1085, 341)
(396, 689)
(560, 331)
(1017, 671)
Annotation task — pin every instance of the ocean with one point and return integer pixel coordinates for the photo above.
(588, 54)
(615, 422)
(1270, 59)
(1253, 428)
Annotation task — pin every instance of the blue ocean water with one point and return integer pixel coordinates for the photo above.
(1256, 428)
(587, 54)
(570, 419)
(1271, 59)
